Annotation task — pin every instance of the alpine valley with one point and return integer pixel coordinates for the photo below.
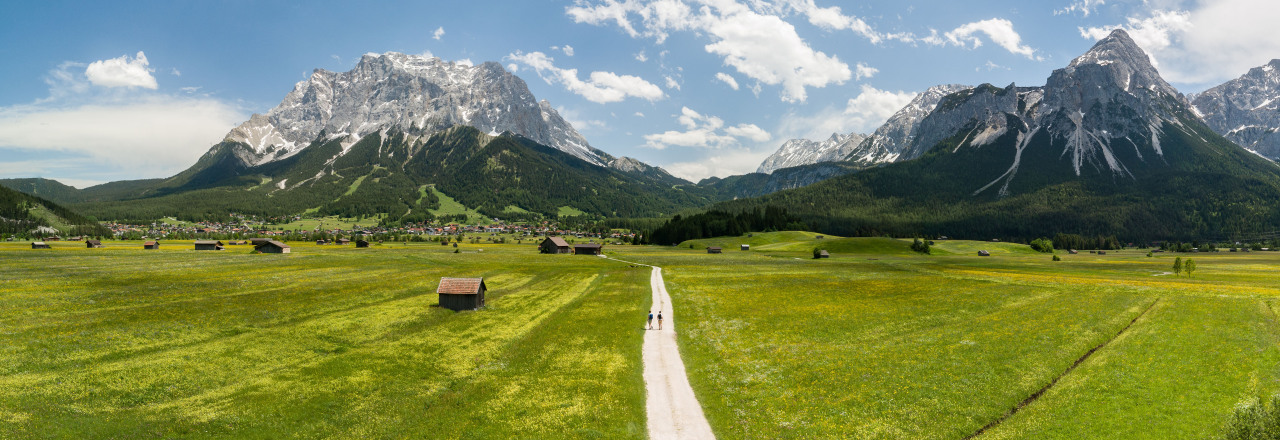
(1105, 147)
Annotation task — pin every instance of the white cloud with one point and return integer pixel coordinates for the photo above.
(761, 46)
(568, 50)
(640, 56)
(833, 18)
(91, 134)
(175, 72)
(122, 72)
(438, 33)
(154, 136)
(998, 30)
(513, 67)
(725, 78)
(723, 163)
(864, 71)
(672, 83)
(600, 87)
(1084, 7)
(863, 114)
(704, 131)
(749, 131)
(640, 114)
(1208, 43)
(466, 62)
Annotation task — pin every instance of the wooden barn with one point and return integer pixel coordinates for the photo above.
(258, 241)
(588, 249)
(745, 247)
(554, 245)
(824, 254)
(714, 250)
(460, 294)
(819, 237)
(272, 247)
(984, 254)
(151, 245)
(318, 242)
(40, 245)
(209, 245)
(92, 244)
(342, 241)
(362, 243)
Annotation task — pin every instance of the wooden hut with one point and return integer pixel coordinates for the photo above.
(824, 254)
(92, 244)
(819, 237)
(984, 254)
(588, 249)
(272, 247)
(209, 245)
(460, 294)
(342, 241)
(554, 245)
(362, 243)
(318, 242)
(258, 241)
(151, 245)
(745, 247)
(40, 245)
(714, 249)
(1072, 251)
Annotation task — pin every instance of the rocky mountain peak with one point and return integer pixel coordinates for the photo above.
(418, 95)
(1246, 110)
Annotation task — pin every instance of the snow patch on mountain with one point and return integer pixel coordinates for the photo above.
(1245, 110)
(798, 152)
(415, 94)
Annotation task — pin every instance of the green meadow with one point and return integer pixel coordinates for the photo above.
(875, 342)
(327, 341)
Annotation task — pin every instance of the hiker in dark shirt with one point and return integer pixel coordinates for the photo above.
(659, 320)
(651, 320)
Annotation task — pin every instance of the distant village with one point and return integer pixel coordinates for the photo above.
(244, 228)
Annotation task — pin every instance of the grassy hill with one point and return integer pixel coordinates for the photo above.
(20, 214)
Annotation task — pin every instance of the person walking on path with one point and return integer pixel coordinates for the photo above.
(659, 320)
(651, 320)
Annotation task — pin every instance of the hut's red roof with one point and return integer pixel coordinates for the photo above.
(460, 286)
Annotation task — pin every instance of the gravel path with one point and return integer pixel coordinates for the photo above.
(674, 412)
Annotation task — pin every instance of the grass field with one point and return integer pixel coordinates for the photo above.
(879, 342)
(326, 341)
(449, 206)
(875, 342)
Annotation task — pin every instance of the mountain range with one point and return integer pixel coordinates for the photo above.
(1104, 145)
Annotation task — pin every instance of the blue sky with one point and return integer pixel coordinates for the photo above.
(103, 91)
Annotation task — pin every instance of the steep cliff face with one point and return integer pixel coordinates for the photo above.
(1246, 110)
(797, 152)
(416, 95)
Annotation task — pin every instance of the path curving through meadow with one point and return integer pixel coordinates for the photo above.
(673, 411)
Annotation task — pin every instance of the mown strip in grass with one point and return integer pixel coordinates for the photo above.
(321, 342)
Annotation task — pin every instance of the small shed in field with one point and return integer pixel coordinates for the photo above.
(984, 254)
(819, 237)
(714, 249)
(151, 245)
(258, 241)
(588, 249)
(208, 245)
(824, 254)
(342, 241)
(362, 243)
(92, 244)
(319, 242)
(272, 247)
(460, 294)
(554, 245)
(1102, 252)
(40, 245)
(1072, 251)
(745, 247)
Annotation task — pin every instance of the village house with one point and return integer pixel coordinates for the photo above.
(554, 245)
(460, 294)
